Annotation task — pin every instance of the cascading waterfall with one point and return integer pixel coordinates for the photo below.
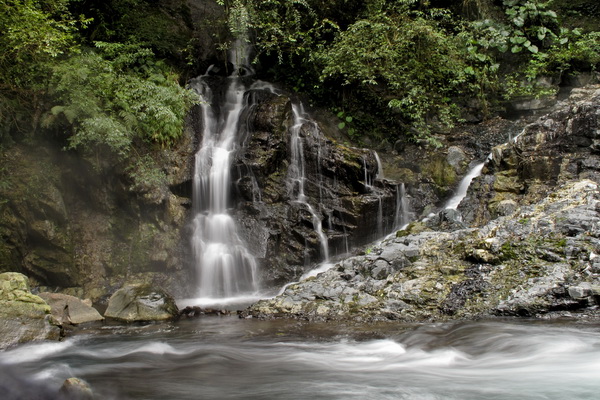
(402, 214)
(224, 266)
(379, 166)
(297, 174)
(463, 186)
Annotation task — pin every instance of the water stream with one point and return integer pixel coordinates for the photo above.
(297, 173)
(463, 186)
(225, 267)
(231, 358)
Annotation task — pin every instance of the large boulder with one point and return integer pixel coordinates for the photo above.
(69, 309)
(24, 316)
(141, 303)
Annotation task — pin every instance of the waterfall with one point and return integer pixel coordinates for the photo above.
(225, 268)
(402, 214)
(379, 166)
(297, 174)
(463, 186)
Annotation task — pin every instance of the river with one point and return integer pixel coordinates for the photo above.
(230, 358)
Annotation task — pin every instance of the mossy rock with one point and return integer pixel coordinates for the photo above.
(24, 316)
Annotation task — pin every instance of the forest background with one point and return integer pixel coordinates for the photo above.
(109, 77)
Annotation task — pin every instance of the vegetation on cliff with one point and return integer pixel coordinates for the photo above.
(415, 66)
(92, 75)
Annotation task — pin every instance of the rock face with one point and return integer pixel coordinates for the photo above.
(69, 309)
(279, 221)
(559, 147)
(23, 316)
(539, 260)
(141, 303)
(80, 224)
(532, 248)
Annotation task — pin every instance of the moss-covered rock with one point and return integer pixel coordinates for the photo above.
(24, 316)
(535, 262)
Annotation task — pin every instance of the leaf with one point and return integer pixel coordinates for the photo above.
(516, 49)
(481, 57)
(57, 110)
(348, 119)
(519, 21)
(533, 48)
(542, 33)
(342, 125)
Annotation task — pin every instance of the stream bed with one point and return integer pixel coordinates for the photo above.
(229, 358)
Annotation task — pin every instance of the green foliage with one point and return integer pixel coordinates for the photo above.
(530, 26)
(33, 35)
(347, 123)
(146, 177)
(419, 64)
(116, 94)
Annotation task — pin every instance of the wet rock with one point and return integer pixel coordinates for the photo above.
(24, 316)
(76, 389)
(141, 303)
(521, 265)
(457, 159)
(69, 309)
(549, 152)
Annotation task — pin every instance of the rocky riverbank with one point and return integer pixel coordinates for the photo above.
(527, 243)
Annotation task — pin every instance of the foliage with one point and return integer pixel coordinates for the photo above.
(112, 95)
(115, 94)
(552, 49)
(418, 63)
(34, 34)
(407, 63)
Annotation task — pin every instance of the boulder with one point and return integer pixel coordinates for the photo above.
(24, 316)
(69, 309)
(76, 389)
(141, 303)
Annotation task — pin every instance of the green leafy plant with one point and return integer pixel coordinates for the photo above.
(112, 97)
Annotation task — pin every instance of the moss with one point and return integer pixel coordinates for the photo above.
(442, 173)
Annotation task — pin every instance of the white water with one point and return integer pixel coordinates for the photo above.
(463, 186)
(229, 358)
(379, 166)
(225, 268)
(297, 174)
(402, 215)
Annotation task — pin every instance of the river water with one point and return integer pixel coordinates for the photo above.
(230, 358)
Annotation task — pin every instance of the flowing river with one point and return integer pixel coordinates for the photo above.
(230, 358)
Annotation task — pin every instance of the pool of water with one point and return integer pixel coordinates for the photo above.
(230, 358)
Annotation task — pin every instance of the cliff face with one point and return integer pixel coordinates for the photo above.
(81, 225)
(298, 196)
(532, 251)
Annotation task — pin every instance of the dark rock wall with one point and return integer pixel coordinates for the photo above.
(279, 230)
(68, 221)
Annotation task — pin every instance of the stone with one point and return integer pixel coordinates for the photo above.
(24, 316)
(69, 309)
(456, 158)
(580, 291)
(141, 302)
(76, 389)
(506, 207)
